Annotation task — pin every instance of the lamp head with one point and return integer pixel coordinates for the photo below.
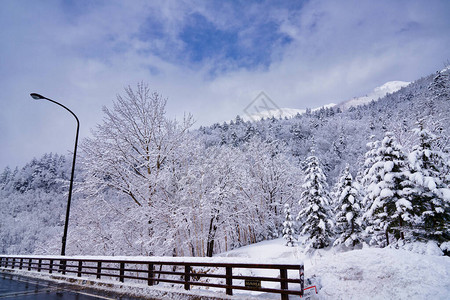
(36, 96)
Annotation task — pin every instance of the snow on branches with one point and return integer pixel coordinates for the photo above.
(389, 191)
(314, 215)
(348, 223)
(288, 227)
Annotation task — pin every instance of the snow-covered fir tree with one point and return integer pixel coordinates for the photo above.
(368, 180)
(314, 215)
(288, 227)
(390, 192)
(432, 199)
(348, 210)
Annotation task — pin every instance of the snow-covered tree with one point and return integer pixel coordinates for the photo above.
(390, 193)
(368, 179)
(314, 215)
(128, 151)
(439, 90)
(271, 180)
(288, 227)
(33, 201)
(432, 199)
(131, 152)
(440, 86)
(348, 211)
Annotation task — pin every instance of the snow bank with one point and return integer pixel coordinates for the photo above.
(381, 274)
(273, 250)
(369, 273)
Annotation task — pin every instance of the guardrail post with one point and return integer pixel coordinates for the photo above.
(229, 280)
(13, 263)
(283, 283)
(122, 271)
(187, 277)
(302, 279)
(80, 267)
(29, 264)
(21, 264)
(150, 274)
(99, 269)
(39, 265)
(51, 266)
(62, 267)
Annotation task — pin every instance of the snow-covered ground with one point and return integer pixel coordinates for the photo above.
(368, 273)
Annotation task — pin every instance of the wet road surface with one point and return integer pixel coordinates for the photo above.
(14, 287)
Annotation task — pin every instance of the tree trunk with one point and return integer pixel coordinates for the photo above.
(211, 237)
(402, 236)
(210, 248)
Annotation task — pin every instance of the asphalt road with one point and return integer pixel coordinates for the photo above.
(15, 287)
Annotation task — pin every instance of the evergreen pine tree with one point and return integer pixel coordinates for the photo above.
(431, 203)
(390, 192)
(315, 203)
(348, 210)
(368, 180)
(288, 228)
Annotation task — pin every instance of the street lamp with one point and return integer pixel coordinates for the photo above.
(39, 97)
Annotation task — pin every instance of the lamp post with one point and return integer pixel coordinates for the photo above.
(64, 239)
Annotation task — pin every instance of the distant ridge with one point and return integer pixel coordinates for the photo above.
(377, 93)
(280, 113)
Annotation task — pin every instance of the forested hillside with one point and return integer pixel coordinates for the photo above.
(149, 185)
(32, 201)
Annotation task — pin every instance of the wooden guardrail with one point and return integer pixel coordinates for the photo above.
(185, 271)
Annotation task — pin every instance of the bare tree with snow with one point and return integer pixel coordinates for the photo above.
(130, 148)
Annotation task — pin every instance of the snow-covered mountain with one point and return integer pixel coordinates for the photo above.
(377, 93)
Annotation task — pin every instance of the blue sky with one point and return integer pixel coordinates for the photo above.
(209, 58)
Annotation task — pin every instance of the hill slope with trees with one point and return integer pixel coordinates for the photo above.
(149, 185)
